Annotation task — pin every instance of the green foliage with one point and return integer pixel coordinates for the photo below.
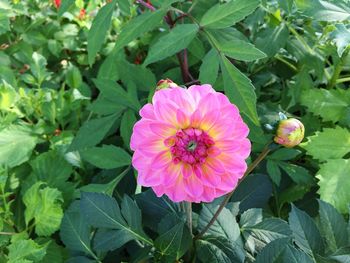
(73, 79)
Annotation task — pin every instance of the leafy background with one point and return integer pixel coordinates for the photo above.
(73, 79)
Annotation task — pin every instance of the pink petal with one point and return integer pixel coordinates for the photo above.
(182, 119)
(162, 129)
(198, 92)
(186, 170)
(161, 160)
(193, 186)
(196, 118)
(215, 165)
(147, 112)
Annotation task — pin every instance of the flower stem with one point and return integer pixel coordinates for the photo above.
(251, 167)
(188, 207)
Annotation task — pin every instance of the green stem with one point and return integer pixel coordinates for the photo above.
(342, 80)
(337, 70)
(251, 167)
(294, 68)
(188, 207)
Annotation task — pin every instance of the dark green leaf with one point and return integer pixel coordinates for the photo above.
(176, 40)
(271, 40)
(126, 126)
(241, 50)
(273, 171)
(209, 69)
(305, 232)
(109, 240)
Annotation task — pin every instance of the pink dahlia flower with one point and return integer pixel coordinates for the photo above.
(190, 144)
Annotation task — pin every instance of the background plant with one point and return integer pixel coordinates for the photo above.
(73, 79)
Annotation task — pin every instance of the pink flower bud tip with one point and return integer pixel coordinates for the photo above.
(165, 84)
(289, 133)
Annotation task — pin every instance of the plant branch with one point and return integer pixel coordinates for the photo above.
(337, 70)
(147, 5)
(251, 167)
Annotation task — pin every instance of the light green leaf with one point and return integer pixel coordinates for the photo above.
(214, 249)
(334, 183)
(282, 251)
(333, 226)
(92, 132)
(65, 5)
(16, 145)
(124, 6)
(331, 105)
(98, 30)
(106, 157)
(328, 144)
(4, 22)
(341, 38)
(225, 15)
(239, 89)
(241, 50)
(73, 77)
(25, 251)
(138, 26)
(103, 211)
(305, 232)
(44, 206)
(171, 43)
(324, 10)
(342, 255)
(208, 72)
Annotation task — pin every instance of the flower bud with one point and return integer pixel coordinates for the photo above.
(290, 132)
(165, 84)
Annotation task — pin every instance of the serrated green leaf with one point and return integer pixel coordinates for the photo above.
(341, 37)
(328, 144)
(297, 173)
(342, 255)
(271, 40)
(208, 72)
(273, 171)
(282, 251)
(138, 26)
(92, 132)
(331, 105)
(176, 40)
(109, 240)
(305, 232)
(16, 145)
(103, 211)
(241, 50)
(219, 249)
(75, 232)
(284, 154)
(239, 89)
(98, 30)
(106, 157)
(225, 15)
(334, 184)
(44, 206)
(25, 251)
(333, 226)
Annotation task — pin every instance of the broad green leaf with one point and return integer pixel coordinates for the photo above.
(333, 226)
(297, 173)
(284, 154)
(240, 90)
(138, 26)
(25, 251)
(225, 15)
(324, 10)
(170, 244)
(73, 77)
(99, 29)
(103, 211)
(273, 171)
(65, 5)
(75, 232)
(305, 232)
(341, 38)
(267, 230)
(342, 255)
(271, 40)
(4, 22)
(54, 252)
(44, 206)
(8, 96)
(328, 144)
(92, 132)
(114, 92)
(38, 67)
(16, 145)
(334, 184)
(214, 249)
(109, 240)
(106, 157)
(80, 259)
(225, 225)
(253, 192)
(171, 43)
(109, 68)
(44, 168)
(251, 217)
(282, 251)
(126, 126)
(209, 69)
(124, 6)
(331, 105)
(241, 50)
